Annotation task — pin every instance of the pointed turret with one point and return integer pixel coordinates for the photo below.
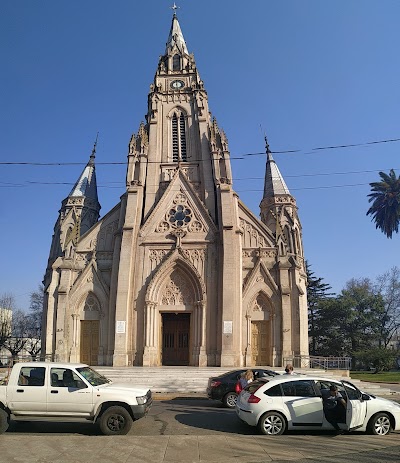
(175, 38)
(279, 211)
(79, 211)
(274, 183)
(86, 185)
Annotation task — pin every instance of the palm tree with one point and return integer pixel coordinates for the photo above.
(385, 198)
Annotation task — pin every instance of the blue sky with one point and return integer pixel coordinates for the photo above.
(309, 73)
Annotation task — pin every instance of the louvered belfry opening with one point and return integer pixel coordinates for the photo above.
(178, 138)
(175, 139)
(176, 63)
(183, 137)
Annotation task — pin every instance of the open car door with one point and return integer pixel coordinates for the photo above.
(356, 408)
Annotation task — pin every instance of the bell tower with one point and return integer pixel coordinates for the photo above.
(179, 132)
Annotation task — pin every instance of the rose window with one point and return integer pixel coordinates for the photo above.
(180, 216)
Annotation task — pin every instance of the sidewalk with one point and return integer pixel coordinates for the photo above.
(198, 449)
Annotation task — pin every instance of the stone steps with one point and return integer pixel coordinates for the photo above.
(194, 380)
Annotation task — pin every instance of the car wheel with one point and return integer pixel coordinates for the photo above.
(4, 421)
(230, 400)
(379, 425)
(272, 424)
(115, 421)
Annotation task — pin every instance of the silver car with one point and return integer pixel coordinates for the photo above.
(283, 403)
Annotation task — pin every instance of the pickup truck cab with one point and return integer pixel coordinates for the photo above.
(65, 391)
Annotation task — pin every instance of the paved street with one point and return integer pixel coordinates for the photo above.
(191, 430)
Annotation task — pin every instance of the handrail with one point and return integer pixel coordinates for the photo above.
(325, 363)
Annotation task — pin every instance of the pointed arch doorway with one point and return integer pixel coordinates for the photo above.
(89, 340)
(175, 315)
(261, 330)
(175, 338)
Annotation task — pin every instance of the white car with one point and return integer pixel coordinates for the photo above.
(289, 402)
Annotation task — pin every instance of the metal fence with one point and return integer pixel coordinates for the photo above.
(325, 363)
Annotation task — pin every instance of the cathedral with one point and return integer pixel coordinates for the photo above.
(180, 271)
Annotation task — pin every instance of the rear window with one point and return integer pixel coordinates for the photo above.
(254, 385)
(274, 391)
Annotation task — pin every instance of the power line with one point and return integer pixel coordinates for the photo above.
(121, 183)
(237, 157)
(237, 190)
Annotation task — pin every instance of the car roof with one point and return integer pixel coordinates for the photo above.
(240, 370)
(51, 364)
(287, 378)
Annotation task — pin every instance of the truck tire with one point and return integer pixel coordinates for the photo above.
(115, 421)
(4, 421)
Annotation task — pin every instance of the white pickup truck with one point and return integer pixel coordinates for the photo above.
(70, 391)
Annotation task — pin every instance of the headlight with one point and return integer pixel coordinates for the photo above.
(141, 400)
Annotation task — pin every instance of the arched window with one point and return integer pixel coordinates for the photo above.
(176, 63)
(178, 138)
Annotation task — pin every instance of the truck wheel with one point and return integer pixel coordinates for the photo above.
(230, 400)
(115, 421)
(4, 421)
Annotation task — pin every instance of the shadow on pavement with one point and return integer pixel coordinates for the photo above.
(54, 427)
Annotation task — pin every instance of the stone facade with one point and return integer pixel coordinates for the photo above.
(180, 272)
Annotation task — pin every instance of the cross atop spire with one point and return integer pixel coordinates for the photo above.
(267, 150)
(92, 156)
(174, 7)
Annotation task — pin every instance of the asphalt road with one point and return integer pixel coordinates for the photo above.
(188, 430)
(173, 417)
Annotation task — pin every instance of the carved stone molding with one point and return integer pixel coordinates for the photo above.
(177, 291)
(157, 255)
(251, 236)
(263, 253)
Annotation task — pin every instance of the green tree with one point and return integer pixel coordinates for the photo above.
(380, 358)
(317, 291)
(351, 321)
(385, 198)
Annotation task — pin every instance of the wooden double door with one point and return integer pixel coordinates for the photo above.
(89, 345)
(175, 338)
(261, 342)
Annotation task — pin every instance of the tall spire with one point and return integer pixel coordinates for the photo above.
(86, 185)
(175, 37)
(274, 183)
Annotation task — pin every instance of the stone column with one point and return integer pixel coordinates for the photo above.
(248, 351)
(74, 347)
(201, 309)
(150, 357)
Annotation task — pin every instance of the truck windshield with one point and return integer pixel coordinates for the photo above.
(92, 377)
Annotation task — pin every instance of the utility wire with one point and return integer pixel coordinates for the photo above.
(238, 157)
(119, 184)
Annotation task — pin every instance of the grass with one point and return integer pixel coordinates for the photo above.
(382, 377)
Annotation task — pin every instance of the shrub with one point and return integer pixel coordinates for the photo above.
(379, 358)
